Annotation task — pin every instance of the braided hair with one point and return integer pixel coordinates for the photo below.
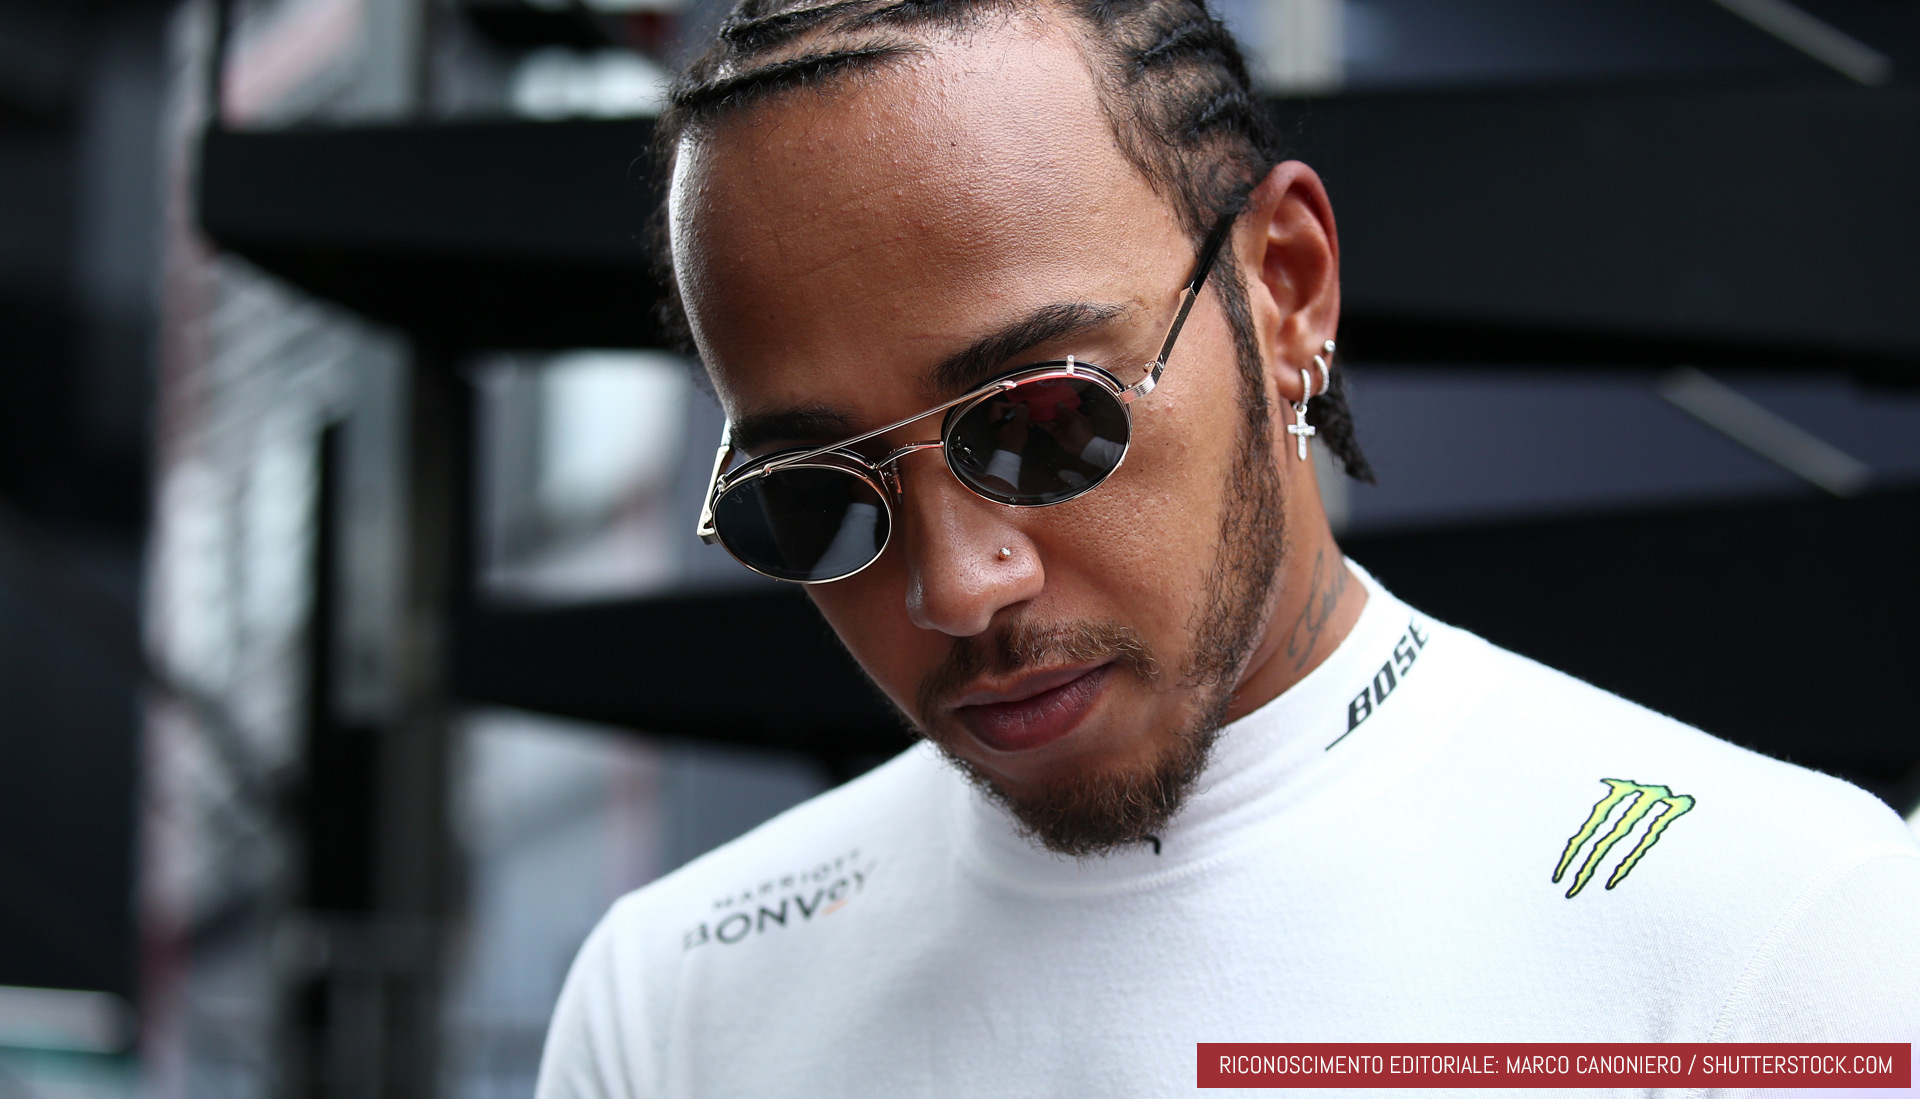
(1172, 82)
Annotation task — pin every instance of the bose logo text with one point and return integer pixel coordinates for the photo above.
(1405, 652)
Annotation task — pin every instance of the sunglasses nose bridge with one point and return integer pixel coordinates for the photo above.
(889, 466)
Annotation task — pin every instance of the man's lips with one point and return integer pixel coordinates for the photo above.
(1035, 710)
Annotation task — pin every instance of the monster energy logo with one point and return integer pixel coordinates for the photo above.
(1641, 801)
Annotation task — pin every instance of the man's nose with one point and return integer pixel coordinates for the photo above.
(958, 578)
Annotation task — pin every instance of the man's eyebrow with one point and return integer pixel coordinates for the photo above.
(808, 425)
(802, 426)
(972, 364)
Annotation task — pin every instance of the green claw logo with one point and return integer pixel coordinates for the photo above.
(1644, 799)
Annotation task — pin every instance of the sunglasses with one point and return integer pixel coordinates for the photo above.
(1034, 436)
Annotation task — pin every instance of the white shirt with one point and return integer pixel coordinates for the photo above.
(1369, 857)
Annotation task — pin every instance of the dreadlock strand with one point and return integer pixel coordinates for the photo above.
(1336, 430)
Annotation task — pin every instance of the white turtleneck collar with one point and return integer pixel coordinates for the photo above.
(1261, 765)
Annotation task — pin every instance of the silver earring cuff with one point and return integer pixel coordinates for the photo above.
(1326, 368)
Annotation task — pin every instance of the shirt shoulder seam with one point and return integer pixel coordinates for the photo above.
(1769, 946)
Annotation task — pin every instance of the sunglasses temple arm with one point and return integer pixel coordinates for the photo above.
(1209, 252)
(704, 528)
(1179, 320)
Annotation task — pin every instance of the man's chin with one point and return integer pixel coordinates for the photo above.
(1099, 809)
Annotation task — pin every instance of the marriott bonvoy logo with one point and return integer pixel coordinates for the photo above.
(1640, 801)
(800, 897)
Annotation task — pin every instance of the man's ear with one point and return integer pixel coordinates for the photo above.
(1289, 252)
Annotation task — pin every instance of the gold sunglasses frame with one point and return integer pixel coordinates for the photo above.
(880, 474)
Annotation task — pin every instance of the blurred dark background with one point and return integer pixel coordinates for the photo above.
(354, 649)
(79, 142)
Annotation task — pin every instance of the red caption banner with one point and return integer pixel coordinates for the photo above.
(1555, 1064)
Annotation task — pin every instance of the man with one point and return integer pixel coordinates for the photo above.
(1020, 330)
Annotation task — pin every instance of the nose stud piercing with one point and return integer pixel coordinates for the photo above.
(1005, 553)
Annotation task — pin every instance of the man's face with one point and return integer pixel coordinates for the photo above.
(833, 250)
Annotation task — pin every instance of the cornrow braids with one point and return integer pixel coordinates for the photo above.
(736, 92)
(1172, 82)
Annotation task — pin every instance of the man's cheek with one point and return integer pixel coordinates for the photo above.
(1133, 549)
(880, 638)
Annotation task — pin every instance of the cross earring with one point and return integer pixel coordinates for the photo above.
(1301, 430)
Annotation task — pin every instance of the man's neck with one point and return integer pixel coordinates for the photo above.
(1317, 602)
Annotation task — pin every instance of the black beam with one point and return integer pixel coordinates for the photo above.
(469, 235)
(1651, 225)
(520, 25)
(757, 668)
(1733, 618)
(1754, 225)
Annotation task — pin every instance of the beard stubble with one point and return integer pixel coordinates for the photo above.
(1096, 812)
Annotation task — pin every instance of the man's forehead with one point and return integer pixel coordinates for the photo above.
(922, 206)
(1001, 118)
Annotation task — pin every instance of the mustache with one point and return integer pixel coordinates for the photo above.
(1020, 646)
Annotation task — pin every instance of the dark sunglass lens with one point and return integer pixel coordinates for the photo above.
(803, 523)
(1039, 443)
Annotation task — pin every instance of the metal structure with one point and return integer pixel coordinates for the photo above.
(1459, 212)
